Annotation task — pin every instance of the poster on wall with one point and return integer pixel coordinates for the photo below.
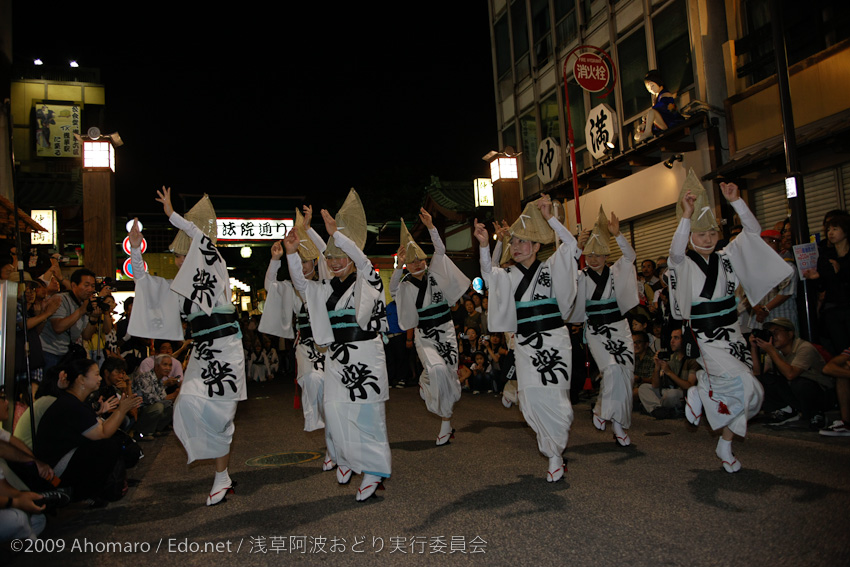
(55, 126)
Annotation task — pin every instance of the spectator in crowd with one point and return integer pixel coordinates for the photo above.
(473, 317)
(20, 516)
(257, 367)
(163, 347)
(671, 378)
(644, 363)
(833, 275)
(485, 302)
(467, 344)
(115, 384)
(33, 472)
(156, 411)
(81, 449)
(76, 317)
(37, 313)
(271, 356)
(780, 301)
(480, 368)
(499, 358)
(651, 282)
(397, 348)
(640, 324)
(791, 375)
(52, 386)
(839, 368)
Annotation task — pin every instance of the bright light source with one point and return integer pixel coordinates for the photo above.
(98, 155)
(245, 252)
(74, 64)
(37, 62)
(504, 168)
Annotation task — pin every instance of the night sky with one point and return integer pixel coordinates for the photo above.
(283, 100)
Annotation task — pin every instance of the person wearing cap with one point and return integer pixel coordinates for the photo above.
(286, 315)
(779, 301)
(532, 299)
(792, 375)
(347, 315)
(603, 298)
(702, 291)
(423, 297)
(214, 380)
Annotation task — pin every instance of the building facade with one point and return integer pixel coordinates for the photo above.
(716, 57)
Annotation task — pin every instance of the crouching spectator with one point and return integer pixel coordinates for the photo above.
(156, 412)
(664, 397)
(794, 384)
(114, 386)
(80, 448)
(839, 368)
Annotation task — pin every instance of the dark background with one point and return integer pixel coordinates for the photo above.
(286, 100)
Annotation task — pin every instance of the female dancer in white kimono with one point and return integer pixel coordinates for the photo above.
(703, 284)
(533, 299)
(348, 313)
(604, 297)
(214, 380)
(423, 298)
(282, 302)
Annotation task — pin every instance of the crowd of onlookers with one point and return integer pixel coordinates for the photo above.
(98, 394)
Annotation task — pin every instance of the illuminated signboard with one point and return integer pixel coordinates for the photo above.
(47, 219)
(253, 229)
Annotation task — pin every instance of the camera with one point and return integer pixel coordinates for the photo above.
(664, 355)
(762, 334)
(486, 338)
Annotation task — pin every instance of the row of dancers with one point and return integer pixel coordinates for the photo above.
(334, 306)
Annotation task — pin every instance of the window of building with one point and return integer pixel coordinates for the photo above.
(550, 124)
(632, 55)
(540, 27)
(566, 24)
(519, 26)
(528, 135)
(673, 47)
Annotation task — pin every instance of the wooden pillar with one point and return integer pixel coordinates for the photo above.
(507, 200)
(99, 222)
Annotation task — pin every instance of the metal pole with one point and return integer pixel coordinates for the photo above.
(799, 221)
(571, 140)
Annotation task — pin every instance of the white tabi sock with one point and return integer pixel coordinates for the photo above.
(221, 484)
(724, 453)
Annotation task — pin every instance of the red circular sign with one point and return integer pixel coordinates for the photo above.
(591, 72)
(128, 267)
(126, 245)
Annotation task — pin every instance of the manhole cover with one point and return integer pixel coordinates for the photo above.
(283, 459)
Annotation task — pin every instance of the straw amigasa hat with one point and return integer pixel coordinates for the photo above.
(203, 216)
(306, 249)
(412, 251)
(599, 236)
(531, 226)
(351, 220)
(703, 218)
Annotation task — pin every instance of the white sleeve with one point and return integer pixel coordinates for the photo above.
(439, 247)
(679, 244)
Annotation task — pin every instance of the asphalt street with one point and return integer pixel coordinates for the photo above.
(482, 500)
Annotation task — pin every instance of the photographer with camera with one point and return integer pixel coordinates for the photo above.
(80, 315)
(794, 384)
(674, 373)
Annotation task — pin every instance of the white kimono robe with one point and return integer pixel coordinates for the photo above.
(214, 380)
(543, 350)
(607, 331)
(286, 313)
(356, 384)
(729, 392)
(424, 306)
